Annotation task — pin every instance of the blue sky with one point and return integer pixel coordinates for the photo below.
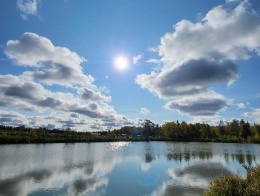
(197, 61)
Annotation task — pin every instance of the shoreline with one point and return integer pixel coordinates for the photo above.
(118, 140)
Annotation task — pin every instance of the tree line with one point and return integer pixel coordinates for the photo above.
(234, 131)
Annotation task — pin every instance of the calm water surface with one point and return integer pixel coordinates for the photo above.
(119, 168)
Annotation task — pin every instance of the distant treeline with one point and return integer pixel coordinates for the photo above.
(234, 131)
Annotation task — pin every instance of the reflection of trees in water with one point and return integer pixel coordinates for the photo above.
(240, 157)
(186, 156)
(243, 158)
(174, 156)
(205, 155)
(149, 153)
(149, 157)
(226, 156)
(249, 158)
(89, 168)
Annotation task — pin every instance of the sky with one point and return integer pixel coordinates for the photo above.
(97, 65)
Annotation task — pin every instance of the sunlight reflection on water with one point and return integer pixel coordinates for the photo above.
(115, 146)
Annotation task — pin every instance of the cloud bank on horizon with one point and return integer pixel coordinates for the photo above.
(53, 87)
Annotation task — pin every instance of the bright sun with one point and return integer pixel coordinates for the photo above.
(121, 62)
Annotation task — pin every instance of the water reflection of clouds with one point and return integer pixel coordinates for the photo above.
(86, 186)
(199, 174)
(192, 179)
(145, 166)
(48, 180)
(169, 190)
(82, 178)
(90, 169)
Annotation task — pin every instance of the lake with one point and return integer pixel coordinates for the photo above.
(120, 168)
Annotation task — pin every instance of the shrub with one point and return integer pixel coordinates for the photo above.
(236, 185)
(253, 181)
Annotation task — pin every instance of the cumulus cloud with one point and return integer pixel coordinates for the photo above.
(221, 34)
(12, 118)
(144, 111)
(21, 94)
(29, 95)
(62, 120)
(88, 94)
(56, 65)
(190, 77)
(27, 7)
(49, 64)
(70, 110)
(205, 104)
(196, 56)
(137, 58)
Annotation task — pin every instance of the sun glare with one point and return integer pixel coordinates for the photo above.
(121, 62)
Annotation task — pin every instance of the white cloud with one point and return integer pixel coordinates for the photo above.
(28, 7)
(153, 49)
(56, 65)
(189, 77)
(221, 34)
(12, 118)
(205, 104)
(137, 58)
(88, 94)
(258, 95)
(34, 97)
(241, 106)
(230, 1)
(49, 64)
(196, 56)
(144, 111)
(255, 115)
(156, 61)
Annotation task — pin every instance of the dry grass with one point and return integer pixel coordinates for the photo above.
(236, 185)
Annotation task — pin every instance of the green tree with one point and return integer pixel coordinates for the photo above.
(185, 130)
(205, 131)
(233, 128)
(148, 128)
(244, 129)
(221, 129)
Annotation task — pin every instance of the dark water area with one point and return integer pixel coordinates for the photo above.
(120, 168)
